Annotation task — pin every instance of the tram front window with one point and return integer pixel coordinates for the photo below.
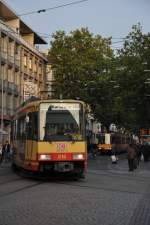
(61, 122)
(146, 139)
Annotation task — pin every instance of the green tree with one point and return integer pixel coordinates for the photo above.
(133, 63)
(82, 66)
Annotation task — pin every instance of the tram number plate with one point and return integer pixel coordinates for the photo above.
(61, 157)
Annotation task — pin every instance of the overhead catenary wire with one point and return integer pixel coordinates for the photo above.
(120, 40)
(47, 35)
(52, 8)
(116, 42)
(44, 35)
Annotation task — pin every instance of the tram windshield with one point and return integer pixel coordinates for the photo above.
(61, 122)
(145, 139)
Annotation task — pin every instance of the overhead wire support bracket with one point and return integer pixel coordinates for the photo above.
(52, 8)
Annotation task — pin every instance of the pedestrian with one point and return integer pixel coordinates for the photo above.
(113, 156)
(1, 156)
(6, 152)
(93, 150)
(145, 151)
(138, 152)
(131, 156)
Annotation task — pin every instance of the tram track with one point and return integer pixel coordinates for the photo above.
(108, 173)
(5, 174)
(10, 181)
(101, 188)
(76, 185)
(112, 174)
(20, 189)
(80, 184)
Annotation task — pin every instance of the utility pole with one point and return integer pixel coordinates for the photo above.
(2, 114)
(2, 95)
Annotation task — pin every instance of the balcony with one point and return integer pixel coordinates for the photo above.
(10, 88)
(16, 90)
(5, 85)
(6, 114)
(9, 111)
(35, 74)
(1, 85)
(25, 70)
(10, 61)
(3, 56)
(41, 78)
(17, 62)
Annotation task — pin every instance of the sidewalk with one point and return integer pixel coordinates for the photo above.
(5, 165)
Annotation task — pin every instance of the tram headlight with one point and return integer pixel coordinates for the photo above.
(78, 156)
(45, 157)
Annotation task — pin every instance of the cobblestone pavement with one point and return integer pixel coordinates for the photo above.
(110, 195)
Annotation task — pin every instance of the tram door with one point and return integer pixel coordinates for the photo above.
(31, 134)
(107, 139)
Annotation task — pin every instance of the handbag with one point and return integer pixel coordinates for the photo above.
(113, 158)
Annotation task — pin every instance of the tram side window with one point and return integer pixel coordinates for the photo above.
(32, 126)
(21, 128)
(14, 130)
(116, 139)
(35, 125)
(101, 139)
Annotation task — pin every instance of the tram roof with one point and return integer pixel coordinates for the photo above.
(36, 102)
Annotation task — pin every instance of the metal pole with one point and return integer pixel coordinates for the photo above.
(2, 96)
(2, 114)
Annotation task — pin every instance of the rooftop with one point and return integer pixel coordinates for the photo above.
(8, 14)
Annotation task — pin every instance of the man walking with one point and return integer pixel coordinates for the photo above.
(1, 156)
(131, 155)
(6, 151)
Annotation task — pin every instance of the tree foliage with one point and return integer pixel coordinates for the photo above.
(116, 86)
(81, 62)
(134, 61)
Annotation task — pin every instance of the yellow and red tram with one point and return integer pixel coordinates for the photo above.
(48, 136)
(108, 141)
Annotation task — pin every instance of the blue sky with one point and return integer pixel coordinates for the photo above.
(105, 17)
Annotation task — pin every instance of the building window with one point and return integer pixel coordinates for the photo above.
(10, 75)
(25, 60)
(35, 67)
(40, 68)
(16, 100)
(30, 63)
(8, 101)
(17, 78)
(4, 43)
(4, 72)
(11, 47)
(17, 51)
